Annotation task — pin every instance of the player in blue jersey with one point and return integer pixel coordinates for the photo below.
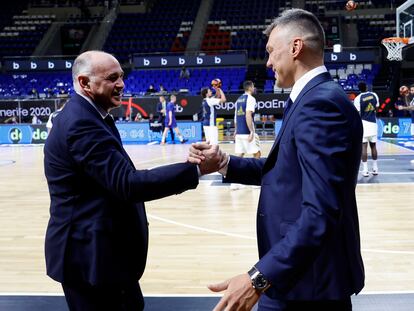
(209, 113)
(247, 141)
(366, 103)
(170, 122)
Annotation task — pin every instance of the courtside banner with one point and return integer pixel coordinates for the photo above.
(24, 110)
(394, 127)
(187, 106)
(130, 132)
(168, 61)
(140, 132)
(23, 134)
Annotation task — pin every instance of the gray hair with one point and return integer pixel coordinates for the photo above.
(84, 64)
(81, 65)
(303, 23)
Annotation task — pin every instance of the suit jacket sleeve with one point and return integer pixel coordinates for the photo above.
(98, 154)
(244, 170)
(321, 134)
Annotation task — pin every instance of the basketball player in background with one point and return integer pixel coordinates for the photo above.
(209, 113)
(170, 122)
(246, 139)
(366, 103)
(162, 109)
(409, 96)
(411, 109)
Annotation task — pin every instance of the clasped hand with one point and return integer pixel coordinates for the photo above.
(208, 157)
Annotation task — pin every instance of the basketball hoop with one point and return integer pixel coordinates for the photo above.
(394, 47)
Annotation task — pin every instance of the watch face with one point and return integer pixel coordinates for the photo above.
(260, 282)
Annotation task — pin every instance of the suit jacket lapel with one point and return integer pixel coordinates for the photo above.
(271, 159)
(82, 101)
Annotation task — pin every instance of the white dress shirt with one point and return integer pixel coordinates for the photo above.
(301, 83)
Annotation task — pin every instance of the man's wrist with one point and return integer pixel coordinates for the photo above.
(223, 170)
(259, 281)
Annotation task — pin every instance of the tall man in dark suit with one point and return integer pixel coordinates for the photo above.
(307, 221)
(97, 236)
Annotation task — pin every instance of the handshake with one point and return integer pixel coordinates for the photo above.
(209, 158)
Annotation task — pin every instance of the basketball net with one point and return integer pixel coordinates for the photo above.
(394, 47)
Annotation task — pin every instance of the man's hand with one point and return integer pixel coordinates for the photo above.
(214, 160)
(208, 157)
(239, 296)
(195, 154)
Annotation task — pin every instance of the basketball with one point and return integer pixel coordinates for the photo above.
(351, 5)
(216, 83)
(404, 90)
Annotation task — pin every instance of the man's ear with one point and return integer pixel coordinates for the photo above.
(84, 82)
(297, 47)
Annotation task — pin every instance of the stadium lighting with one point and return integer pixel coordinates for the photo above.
(337, 48)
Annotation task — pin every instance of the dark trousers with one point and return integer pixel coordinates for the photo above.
(126, 297)
(267, 304)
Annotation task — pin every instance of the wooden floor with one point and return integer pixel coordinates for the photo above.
(201, 236)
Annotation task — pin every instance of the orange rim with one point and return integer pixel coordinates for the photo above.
(395, 39)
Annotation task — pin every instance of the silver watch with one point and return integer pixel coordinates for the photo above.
(259, 282)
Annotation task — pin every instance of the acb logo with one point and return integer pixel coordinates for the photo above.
(15, 135)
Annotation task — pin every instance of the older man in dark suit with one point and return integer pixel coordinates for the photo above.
(307, 220)
(97, 236)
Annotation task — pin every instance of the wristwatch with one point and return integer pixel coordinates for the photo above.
(259, 282)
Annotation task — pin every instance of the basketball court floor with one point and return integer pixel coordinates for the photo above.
(204, 235)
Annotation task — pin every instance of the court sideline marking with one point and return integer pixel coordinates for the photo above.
(197, 228)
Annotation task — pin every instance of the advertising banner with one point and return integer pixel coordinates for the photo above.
(23, 134)
(24, 110)
(187, 106)
(177, 61)
(351, 56)
(131, 133)
(394, 127)
(37, 64)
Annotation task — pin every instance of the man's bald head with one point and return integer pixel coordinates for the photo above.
(99, 76)
(300, 23)
(87, 64)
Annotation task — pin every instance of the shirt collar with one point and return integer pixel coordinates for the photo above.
(98, 108)
(301, 83)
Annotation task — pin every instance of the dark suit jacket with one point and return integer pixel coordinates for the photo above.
(307, 221)
(98, 231)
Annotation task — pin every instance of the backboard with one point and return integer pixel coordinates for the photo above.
(405, 20)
